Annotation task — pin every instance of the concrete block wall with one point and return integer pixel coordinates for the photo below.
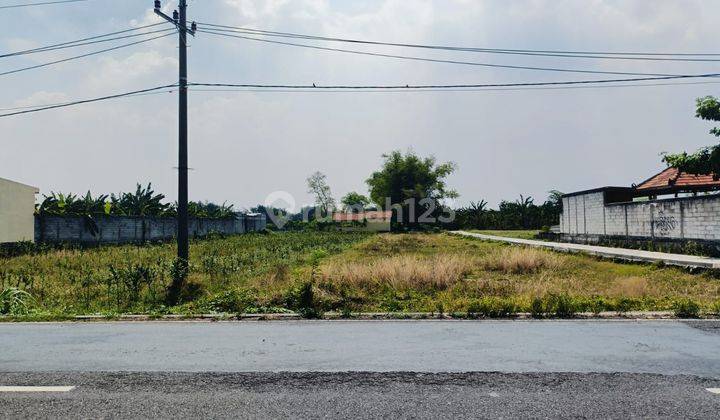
(676, 218)
(119, 229)
(583, 214)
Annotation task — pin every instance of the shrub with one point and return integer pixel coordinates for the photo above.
(14, 301)
(686, 308)
(302, 300)
(559, 305)
(492, 308)
(232, 301)
(537, 308)
(562, 306)
(596, 305)
(625, 304)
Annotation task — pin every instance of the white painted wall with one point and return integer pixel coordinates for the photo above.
(17, 208)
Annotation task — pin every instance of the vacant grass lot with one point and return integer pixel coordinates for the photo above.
(313, 272)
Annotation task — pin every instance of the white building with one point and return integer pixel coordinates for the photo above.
(17, 209)
(671, 205)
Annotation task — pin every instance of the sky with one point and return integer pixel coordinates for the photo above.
(244, 146)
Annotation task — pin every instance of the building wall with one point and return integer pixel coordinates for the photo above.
(117, 229)
(677, 218)
(372, 226)
(17, 205)
(583, 214)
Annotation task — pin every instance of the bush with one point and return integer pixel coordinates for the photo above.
(232, 301)
(559, 305)
(491, 308)
(302, 300)
(14, 301)
(686, 308)
(537, 308)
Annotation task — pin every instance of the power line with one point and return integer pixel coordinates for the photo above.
(306, 89)
(83, 55)
(80, 44)
(544, 53)
(13, 6)
(315, 90)
(85, 101)
(455, 86)
(433, 60)
(70, 103)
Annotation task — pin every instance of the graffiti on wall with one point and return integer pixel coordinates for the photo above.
(664, 224)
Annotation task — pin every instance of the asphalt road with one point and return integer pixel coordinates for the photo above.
(664, 347)
(409, 369)
(364, 395)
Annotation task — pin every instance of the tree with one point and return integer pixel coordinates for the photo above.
(317, 185)
(410, 184)
(706, 160)
(354, 201)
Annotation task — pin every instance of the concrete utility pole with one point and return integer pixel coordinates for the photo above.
(179, 19)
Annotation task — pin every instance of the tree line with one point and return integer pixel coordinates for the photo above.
(414, 188)
(143, 202)
(522, 213)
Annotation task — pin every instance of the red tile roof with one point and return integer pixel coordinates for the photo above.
(672, 178)
(359, 217)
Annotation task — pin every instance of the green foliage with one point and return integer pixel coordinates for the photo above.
(233, 301)
(354, 201)
(491, 307)
(209, 210)
(557, 305)
(511, 215)
(318, 186)
(301, 298)
(127, 284)
(686, 308)
(144, 202)
(14, 301)
(406, 177)
(707, 159)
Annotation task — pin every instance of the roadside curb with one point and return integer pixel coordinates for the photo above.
(369, 316)
(624, 254)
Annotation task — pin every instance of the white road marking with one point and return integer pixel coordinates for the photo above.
(36, 388)
(713, 390)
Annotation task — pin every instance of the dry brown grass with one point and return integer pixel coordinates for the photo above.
(516, 260)
(394, 244)
(402, 272)
(633, 287)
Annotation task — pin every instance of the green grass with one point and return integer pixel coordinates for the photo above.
(517, 234)
(133, 279)
(314, 272)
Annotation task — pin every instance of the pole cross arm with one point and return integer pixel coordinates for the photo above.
(175, 20)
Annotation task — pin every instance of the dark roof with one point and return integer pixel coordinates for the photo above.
(673, 180)
(601, 189)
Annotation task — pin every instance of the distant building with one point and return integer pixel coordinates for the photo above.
(671, 205)
(370, 221)
(17, 209)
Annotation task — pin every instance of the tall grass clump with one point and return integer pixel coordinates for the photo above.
(402, 272)
(686, 308)
(14, 301)
(515, 260)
